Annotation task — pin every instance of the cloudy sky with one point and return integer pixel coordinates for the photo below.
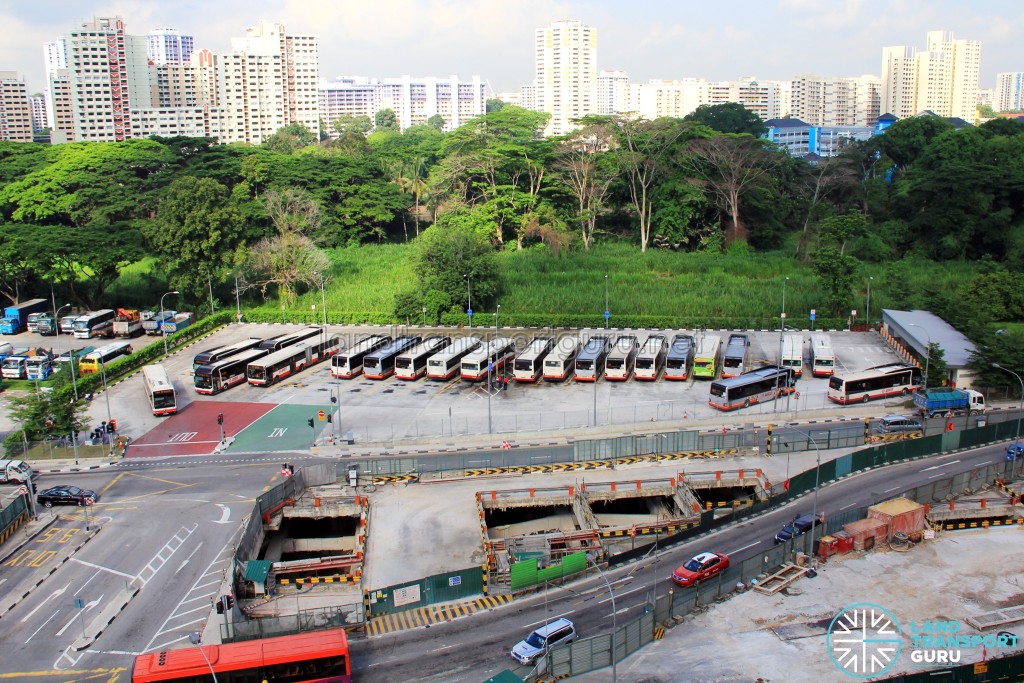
(718, 40)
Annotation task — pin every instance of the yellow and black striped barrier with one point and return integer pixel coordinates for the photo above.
(396, 478)
(960, 525)
(432, 614)
(310, 580)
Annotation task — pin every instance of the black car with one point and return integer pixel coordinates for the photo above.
(798, 526)
(66, 495)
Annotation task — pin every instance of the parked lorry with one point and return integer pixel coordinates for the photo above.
(152, 326)
(932, 402)
(34, 320)
(15, 318)
(16, 366)
(128, 322)
(47, 325)
(67, 324)
(15, 472)
(178, 322)
(39, 367)
(6, 349)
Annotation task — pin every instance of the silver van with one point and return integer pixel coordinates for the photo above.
(537, 644)
(898, 424)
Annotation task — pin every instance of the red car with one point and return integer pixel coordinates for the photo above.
(700, 567)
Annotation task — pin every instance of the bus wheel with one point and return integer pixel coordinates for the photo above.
(746, 403)
(904, 392)
(865, 399)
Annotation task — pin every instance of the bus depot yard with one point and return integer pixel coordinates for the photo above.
(390, 411)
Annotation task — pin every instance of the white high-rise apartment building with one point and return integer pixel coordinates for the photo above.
(1009, 91)
(942, 79)
(37, 105)
(611, 92)
(835, 101)
(267, 81)
(565, 73)
(15, 113)
(767, 99)
(168, 46)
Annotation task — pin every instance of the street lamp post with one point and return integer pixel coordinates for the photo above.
(469, 300)
(209, 284)
(1021, 408)
(867, 309)
(490, 368)
(611, 594)
(817, 477)
(106, 396)
(238, 307)
(607, 312)
(323, 298)
(927, 352)
(195, 639)
(782, 332)
(163, 330)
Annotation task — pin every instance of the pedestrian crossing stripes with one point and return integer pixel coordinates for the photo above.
(432, 614)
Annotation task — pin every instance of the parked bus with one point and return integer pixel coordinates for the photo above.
(103, 355)
(224, 374)
(219, 353)
(680, 358)
(281, 341)
(380, 364)
(734, 362)
(894, 379)
(590, 362)
(488, 360)
(756, 386)
(159, 390)
(823, 358)
(529, 365)
(447, 363)
(651, 359)
(86, 324)
(705, 358)
(793, 353)
(290, 360)
(413, 363)
(349, 363)
(619, 364)
(559, 363)
(320, 656)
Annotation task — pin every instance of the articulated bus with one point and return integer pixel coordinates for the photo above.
(413, 363)
(219, 353)
(489, 359)
(823, 358)
(756, 386)
(284, 340)
(734, 361)
(159, 390)
(320, 656)
(560, 361)
(91, 362)
(680, 358)
(349, 363)
(224, 374)
(705, 358)
(651, 359)
(86, 324)
(447, 363)
(619, 364)
(381, 363)
(590, 361)
(529, 365)
(290, 360)
(793, 353)
(894, 379)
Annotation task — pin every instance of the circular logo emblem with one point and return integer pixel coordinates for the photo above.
(864, 640)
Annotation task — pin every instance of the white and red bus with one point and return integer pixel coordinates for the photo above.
(224, 374)
(529, 365)
(488, 360)
(380, 364)
(349, 363)
(413, 363)
(159, 390)
(447, 362)
(290, 360)
(895, 379)
(651, 359)
(558, 364)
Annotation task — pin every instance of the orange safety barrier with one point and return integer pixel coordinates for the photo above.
(952, 504)
(613, 486)
(531, 493)
(572, 490)
(741, 474)
(638, 485)
(494, 495)
(984, 503)
(718, 476)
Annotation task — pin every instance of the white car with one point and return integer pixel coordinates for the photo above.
(538, 643)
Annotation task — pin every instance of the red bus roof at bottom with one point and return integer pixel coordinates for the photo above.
(188, 661)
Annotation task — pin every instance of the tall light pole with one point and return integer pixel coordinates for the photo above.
(469, 300)
(106, 396)
(238, 307)
(867, 309)
(782, 331)
(490, 368)
(195, 639)
(71, 354)
(927, 352)
(607, 311)
(163, 330)
(1021, 408)
(323, 297)
(817, 476)
(611, 594)
(209, 284)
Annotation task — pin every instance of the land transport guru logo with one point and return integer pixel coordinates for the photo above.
(866, 640)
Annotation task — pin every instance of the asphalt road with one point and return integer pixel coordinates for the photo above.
(478, 646)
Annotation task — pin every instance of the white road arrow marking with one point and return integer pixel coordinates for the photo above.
(59, 591)
(185, 562)
(225, 514)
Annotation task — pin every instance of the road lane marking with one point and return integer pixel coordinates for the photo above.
(548, 620)
(88, 606)
(59, 591)
(894, 488)
(42, 625)
(112, 482)
(847, 506)
(185, 562)
(106, 569)
(749, 545)
(225, 514)
(935, 467)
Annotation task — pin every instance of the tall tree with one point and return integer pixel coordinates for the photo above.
(588, 172)
(643, 152)
(198, 231)
(385, 119)
(728, 118)
(728, 166)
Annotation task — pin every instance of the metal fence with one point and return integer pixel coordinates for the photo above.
(427, 591)
(13, 514)
(306, 620)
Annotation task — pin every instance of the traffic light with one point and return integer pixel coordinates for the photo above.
(220, 605)
(220, 418)
(229, 601)
(330, 418)
(112, 425)
(310, 422)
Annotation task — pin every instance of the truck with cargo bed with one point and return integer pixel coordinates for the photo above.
(179, 322)
(152, 326)
(15, 318)
(933, 402)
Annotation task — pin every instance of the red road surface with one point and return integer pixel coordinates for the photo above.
(194, 431)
